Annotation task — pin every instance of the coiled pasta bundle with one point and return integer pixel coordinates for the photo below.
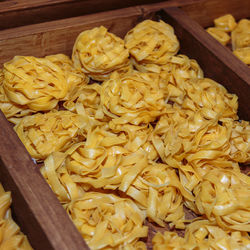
(43, 134)
(241, 34)
(12, 111)
(107, 221)
(88, 102)
(35, 82)
(98, 53)
(152, 42)
(223, 197)
(158, 190)
(243, 54)
(226, 23)
(10, 235)
(134, 99)
(75, 78)
(202, 234)
(219, 35)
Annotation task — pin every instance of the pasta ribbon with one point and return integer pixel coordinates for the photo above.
(152, 42)
(226, 23)
(223, 197)
(13, 112)
(10, 235)
(219, 35)
(241, 35)
(43, 134)
(133, 99)
(98, 53)
(35, 82)
(107, 221)
(75, 78)
(202, 234)
(243, 54)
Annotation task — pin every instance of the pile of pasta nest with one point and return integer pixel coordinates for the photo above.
(236, 35)
(130, 130)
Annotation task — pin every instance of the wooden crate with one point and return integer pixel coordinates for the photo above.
(35, 207)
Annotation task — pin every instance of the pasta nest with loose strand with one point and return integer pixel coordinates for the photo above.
(202, 234)
(10, 235)
(158, 190)
(12, 111)
(152, 42)
(107, 221)
(75, 78)
(35, 82)
(223, 196)
(98, 53)
(88, 102)
(54, 131)
(135, 99)
(208, 96)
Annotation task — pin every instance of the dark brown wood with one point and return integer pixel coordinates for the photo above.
(14, 13)
(205, 11)
(36, 208)
(217, 62)
(59, 36)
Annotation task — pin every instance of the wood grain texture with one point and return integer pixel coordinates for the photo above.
(216, 60)
(205, 11)
(16, 13)
(36, 208)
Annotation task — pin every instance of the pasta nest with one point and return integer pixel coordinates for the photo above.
(11, 236)
(88, 102)
(134, 99)
(210, 97)
(75, 78)
(243, 54)
(107, 221)
(35, 82)
(241, 34)
(202, 234)
(98, 53)
(152, 42)
(223, 197)
(226, 23)
(43, 134)
(158, 190)
(13, 112)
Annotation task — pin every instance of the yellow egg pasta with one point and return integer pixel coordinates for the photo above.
(43, 134)
(133, 99)
(98, 53)
(226, 23)
(35, 82)
(152, 42)
(107, 221)
(220, 35)
(75, 79)
(10, 235)
(202, 234)
(243, 54)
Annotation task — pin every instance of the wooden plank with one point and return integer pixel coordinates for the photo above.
(215, 59)
(36, 208)
(59, 36)
(16, 13)
(205, 11)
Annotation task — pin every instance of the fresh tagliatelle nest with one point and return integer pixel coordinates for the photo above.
(151, 139)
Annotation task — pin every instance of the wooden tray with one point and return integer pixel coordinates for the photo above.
(35, 207)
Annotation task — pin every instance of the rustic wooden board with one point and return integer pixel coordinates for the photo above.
(36, 208)
(14, 13)
(205, 11)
